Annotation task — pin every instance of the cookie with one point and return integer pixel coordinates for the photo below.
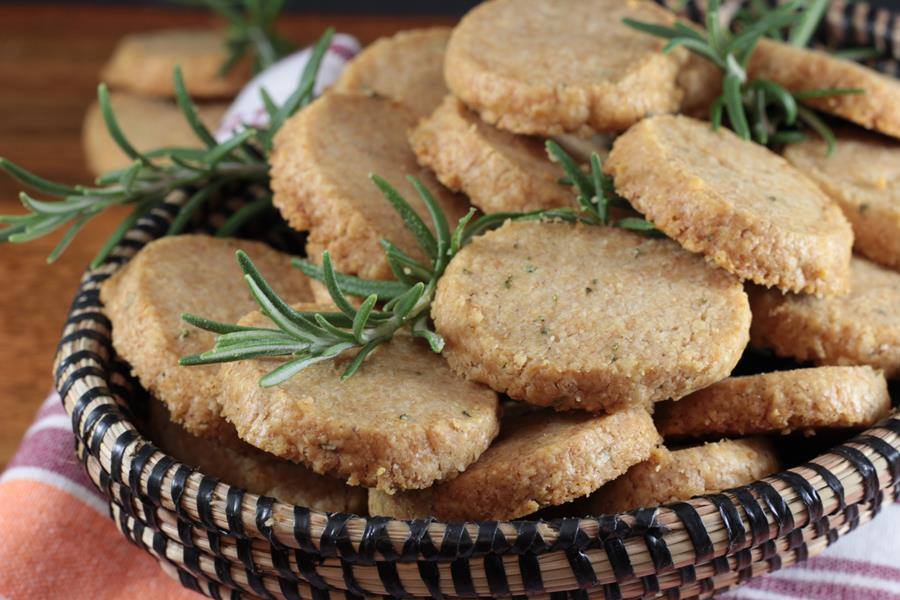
(147, 123)
(863, 177)
(407, 67)
(186, 273)
(546, 67)
(780, 402)
(320, 177)
(144, 63)
(404, 420)
(860, 328)
(499, 171)
(586, 317)
(541, 459)
(239, 464)
(675, 475)
(800, 69)
(742, 206)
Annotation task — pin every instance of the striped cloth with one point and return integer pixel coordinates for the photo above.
(57, 540)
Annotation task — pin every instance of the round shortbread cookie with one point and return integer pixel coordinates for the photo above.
(742, 206)
(195, 274)
(585, 317)
(860, 328)
(320, 176)
(863, 177)
(403, 421)
(800, 69)
(407, 67)
(148, 123)
(144, 63)
(548, 67)
(499, 171)
(779, 402)
(541, 459)
(675, 475)
(244, 466)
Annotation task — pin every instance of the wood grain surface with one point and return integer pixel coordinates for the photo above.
(49, 61)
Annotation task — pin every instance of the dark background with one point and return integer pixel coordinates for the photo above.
(422, 7)
(439, 7)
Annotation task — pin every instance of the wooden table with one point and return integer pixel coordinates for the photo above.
(49, 61)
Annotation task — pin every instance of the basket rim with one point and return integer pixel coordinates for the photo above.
(858, 473)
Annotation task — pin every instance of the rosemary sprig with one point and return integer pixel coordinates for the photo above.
(757, 109)
(311, 337)
(152, 176)
(251, 31)
(596, 194)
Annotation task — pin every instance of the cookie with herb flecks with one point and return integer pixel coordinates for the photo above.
(798, 400)
(587, 317)
(859, 328)
(321, 163)
(147, 123)
(402, 421)
(674, 475)
(862, 176)
(144, 63)
(742, 206)
(407, 67)
(546, 67)
(499, 171)
(540, 459)
(195, 274)
(240, 464)
(803, 69)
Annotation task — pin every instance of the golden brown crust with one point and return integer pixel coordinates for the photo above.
(407, 67)
(143, 63)
(674, 475)
(403, 421)
(499, 171)
(800, 69)
(549, 67)
(861, 328)
(320, 177)
(187, 273)
(541, 459)
(863, 177)
(147, 123)
(584, 317)
(242, 465)
(743, 207)
(784, 401)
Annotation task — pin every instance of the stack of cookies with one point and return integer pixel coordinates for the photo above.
(139, 73)
(585, 367)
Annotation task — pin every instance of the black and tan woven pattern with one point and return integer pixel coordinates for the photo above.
(226, 543)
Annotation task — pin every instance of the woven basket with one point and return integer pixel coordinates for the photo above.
(221, 541)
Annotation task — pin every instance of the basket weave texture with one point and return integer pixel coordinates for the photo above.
(224, 542)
